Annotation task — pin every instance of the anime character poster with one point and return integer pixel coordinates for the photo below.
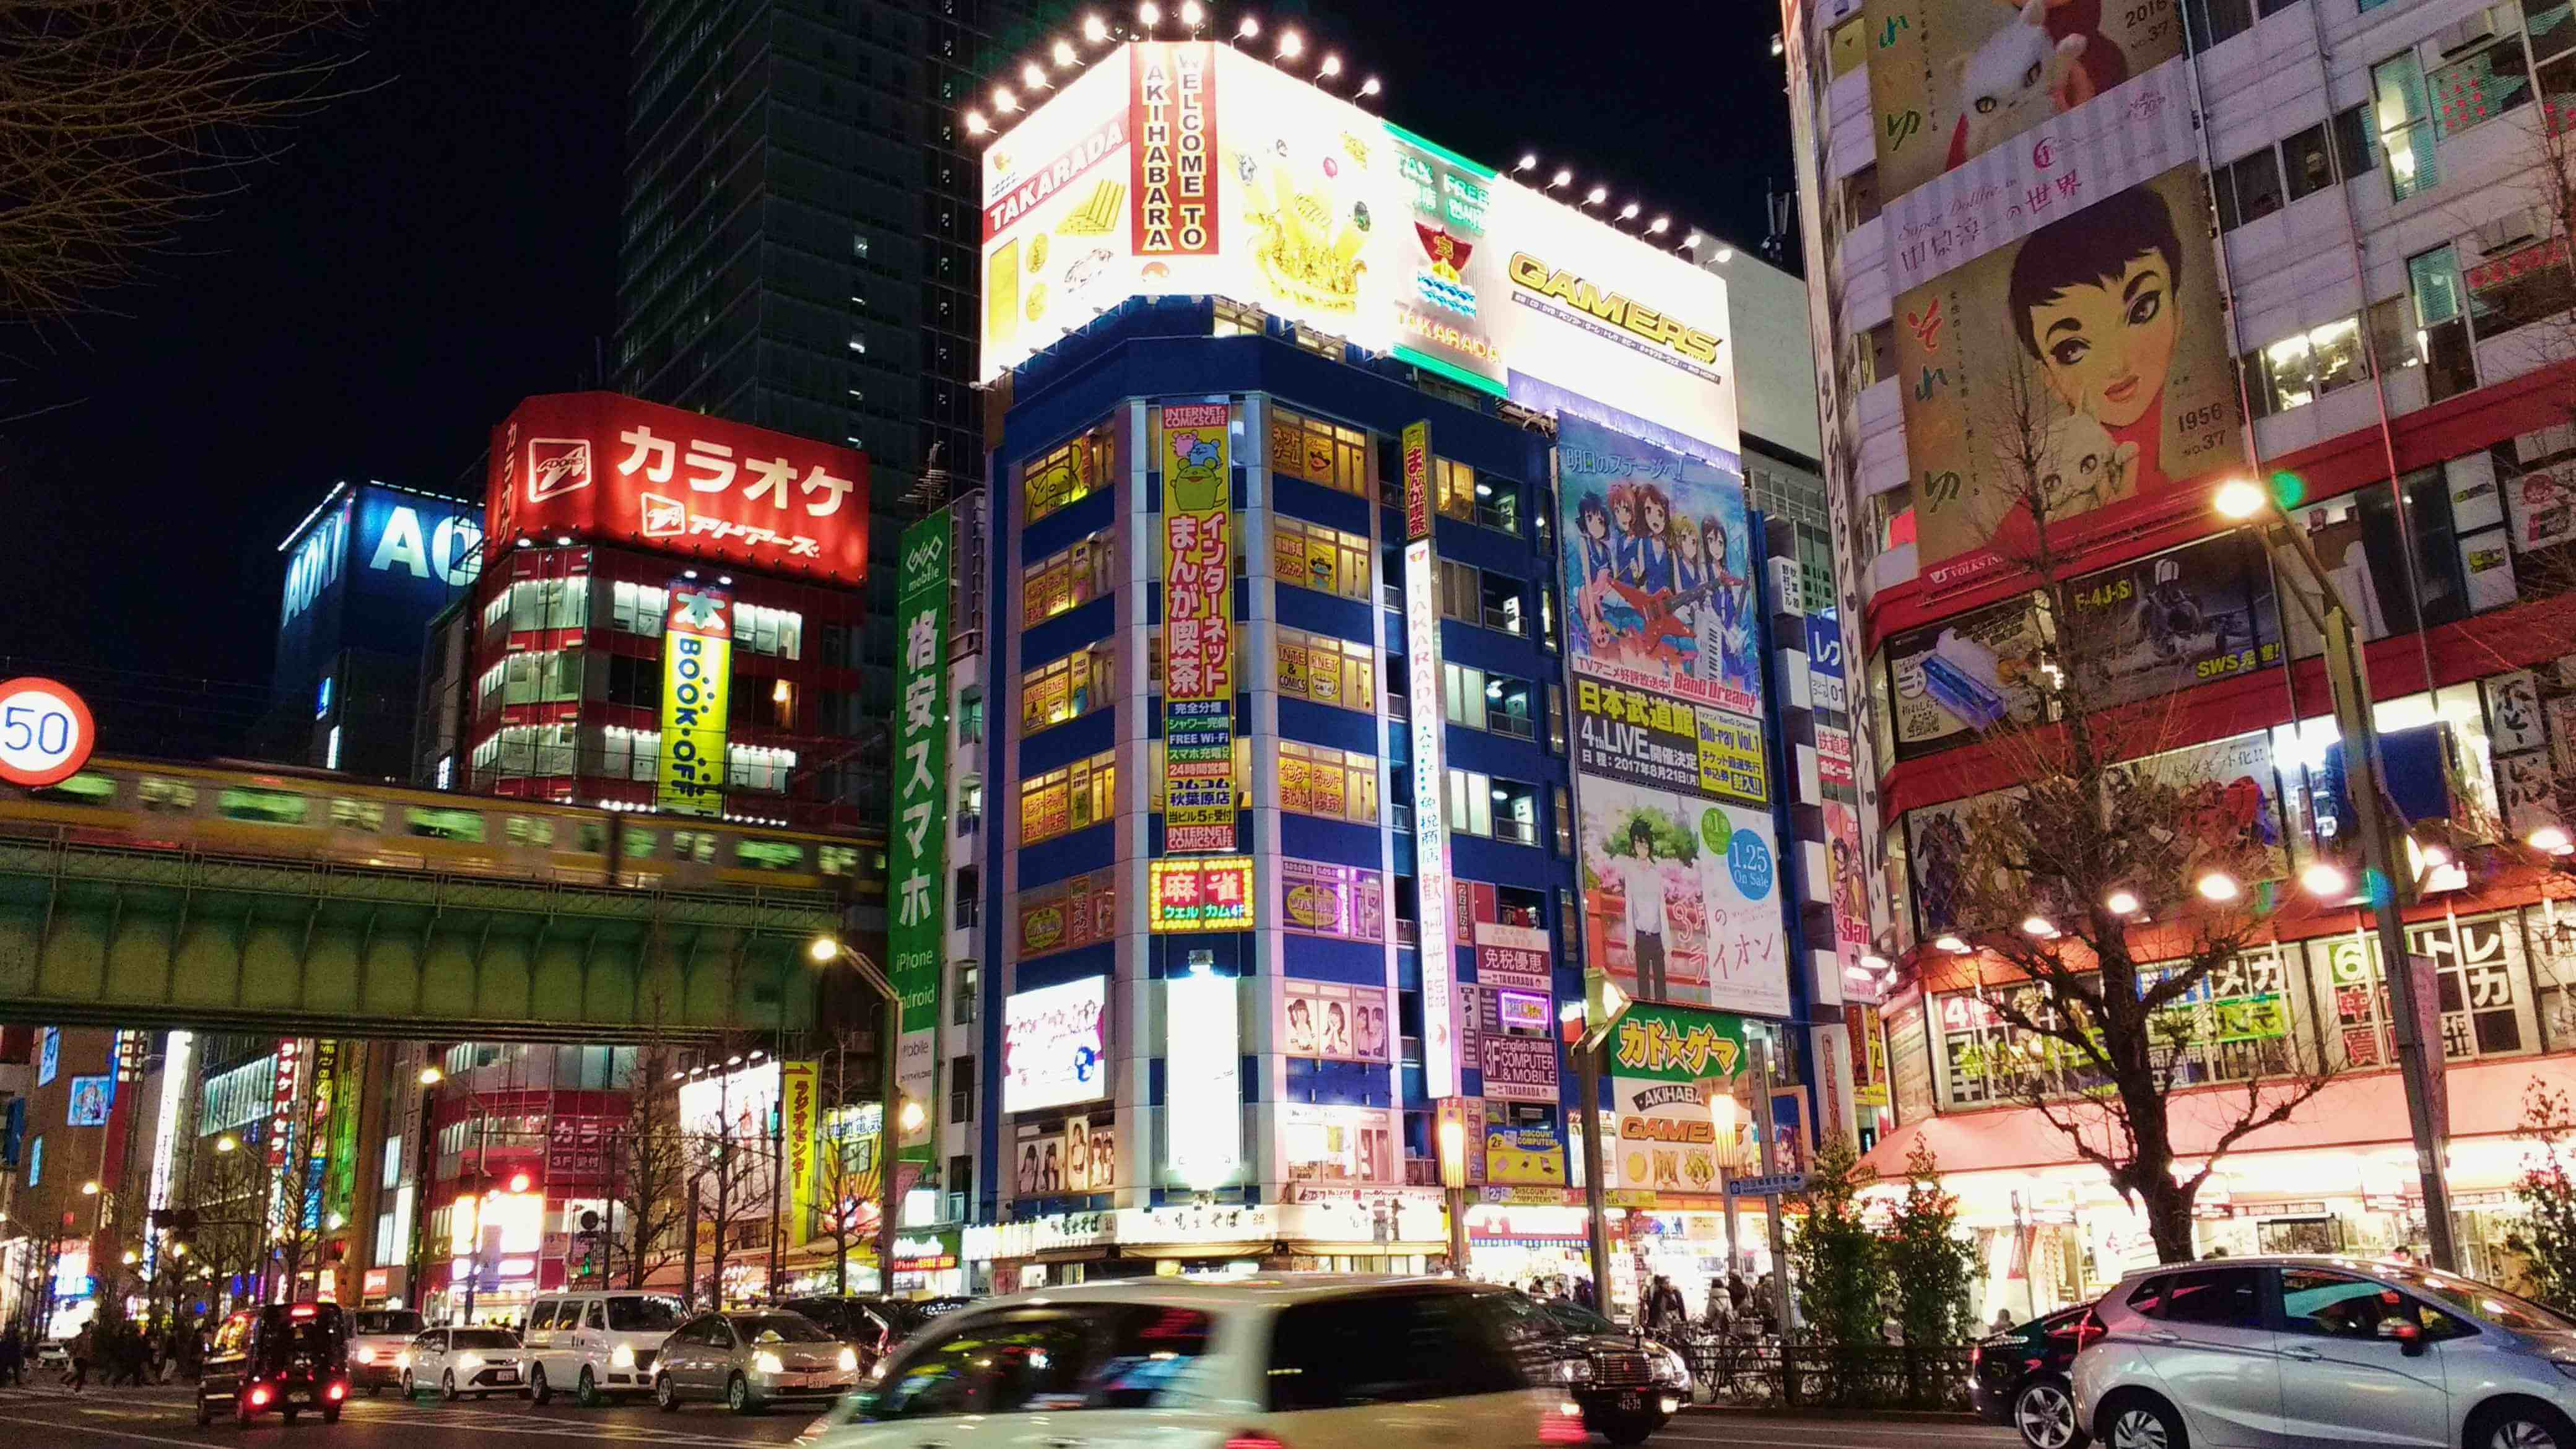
(1681, 899)
(1849, 884)
(1964, 675)
(1659, 570)
(2225, 814)
(2086, 363)
(2198, 613)
(1952, 79)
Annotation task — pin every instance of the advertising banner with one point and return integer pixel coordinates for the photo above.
(918, 849)
(2107, 320)
(1869, 1055)
(1198, 629)
(1848, 885)
(1082, 911)
(617, 469)
(1964, 675)
(1432, 880)
(1340, 1145)
(1668, 744)
(1952, 79)
(2121, 137)
(1055, 1045)
(287, 1083)
(1201, 894)
(1937, 839)
(1203, 1081)
(1519, 1068)
(1519, 958)
(91, 1099)
(2202, 612)
(1523, 1146)
(1335, 1022)
(1323, 214)
(1667, 1066)
(1825, 679)
(697, 692)
(797, 1107)
(1658, 562)
(2227, 817)
(1345, 901)
(1680, 899)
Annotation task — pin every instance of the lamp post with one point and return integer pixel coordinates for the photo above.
(895, 1115)
(413, 1263)
(2348, 677)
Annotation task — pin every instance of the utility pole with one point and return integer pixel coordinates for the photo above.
(482, 1200)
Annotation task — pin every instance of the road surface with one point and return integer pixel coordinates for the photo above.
(46, 1418)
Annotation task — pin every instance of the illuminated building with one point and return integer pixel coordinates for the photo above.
(2361, 312)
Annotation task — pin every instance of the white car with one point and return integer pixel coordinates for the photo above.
(1246, 1363)
(2323, 1353)
(464, 1362)
(377, 1338)
(593, 1345)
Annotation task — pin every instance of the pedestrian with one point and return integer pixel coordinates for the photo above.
(2003, 1321)
(83, 1344)
(1583, 1294)
(1736, 1291)
(1720, 1315)
(13, 1358)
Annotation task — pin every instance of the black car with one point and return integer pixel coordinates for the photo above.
(2020, 1378)
(873, 1324)
(1627, 1385)
(276, 1357)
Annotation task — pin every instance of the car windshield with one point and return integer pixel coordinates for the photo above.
(1577, 1317)
(385, 1321)
(779, 1328)
(643, 1315)
(484, 1338)
(2484, 1301)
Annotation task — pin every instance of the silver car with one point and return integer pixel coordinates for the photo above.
(2324, 1353)
(752, 1360)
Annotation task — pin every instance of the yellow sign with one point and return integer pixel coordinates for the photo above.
(697, 669)
(796, 1124)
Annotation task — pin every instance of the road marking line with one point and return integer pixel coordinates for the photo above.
(109, 1433)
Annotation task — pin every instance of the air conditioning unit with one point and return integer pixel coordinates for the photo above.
(2515, 227)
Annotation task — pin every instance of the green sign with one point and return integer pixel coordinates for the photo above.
(1677, 1044)
(917, 853)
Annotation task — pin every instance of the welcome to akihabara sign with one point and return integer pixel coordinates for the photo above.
(603, 467)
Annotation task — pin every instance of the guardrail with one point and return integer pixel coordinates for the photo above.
(1753, 1373)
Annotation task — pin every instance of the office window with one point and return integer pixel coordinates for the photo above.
(1333, 784)
(1319, 452)
(2482, 86)
(966, 996)
(2526, 285)
(1497, 809)
(961, 1089)
(1066, 688)
(2404, 111)
(1327, 670)
(1066, 474)
(1564, 803)
(2305, 366)
(636, 608)
(970, 714)
(759, 767)
(1234, 319)
(2307, 162)
(1316, 557)
(2249, 189)
(2211, 21)
(968, 897)
(1077, 797)
(1491, 601)
(1483, 701)
(1556, 718)
(1068, 580)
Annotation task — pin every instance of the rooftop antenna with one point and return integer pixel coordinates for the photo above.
(932, 491)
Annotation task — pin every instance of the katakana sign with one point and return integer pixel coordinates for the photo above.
(596, 465)
(1198, 629)
(917, 853)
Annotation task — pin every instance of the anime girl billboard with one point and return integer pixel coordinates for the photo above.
(1659, 570)
(2105, 322)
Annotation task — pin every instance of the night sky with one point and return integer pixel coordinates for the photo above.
(433, 248)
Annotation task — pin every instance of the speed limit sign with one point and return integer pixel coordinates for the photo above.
(46, 733)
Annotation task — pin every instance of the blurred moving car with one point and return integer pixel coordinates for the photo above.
(463, 1361)
(1317, 1361)
(752, 1360)
(276, 1357)
(377, 1338)
(2319, 1353)
(871, 1323)
(52, 1353)
(1627, 1385)
(2020, 1378)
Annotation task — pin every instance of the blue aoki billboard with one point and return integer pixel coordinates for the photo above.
(369, 568)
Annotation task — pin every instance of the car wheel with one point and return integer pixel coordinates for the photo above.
(447, 1386)
(738, 1396)
(205, 1411)
(2044, 1412)
(374, 1390)
(537, 1389)
(2522, 1426)
(243, 1413)
(666, 1395)
(410, 1390)
(2143, 1421)
(586, 1389)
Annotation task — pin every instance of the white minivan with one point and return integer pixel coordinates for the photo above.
(595, 1345)
(1318, 1362)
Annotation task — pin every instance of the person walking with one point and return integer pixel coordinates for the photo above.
(83, 1344)
(13, 1358)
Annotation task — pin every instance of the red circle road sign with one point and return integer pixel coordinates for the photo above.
(46, 733)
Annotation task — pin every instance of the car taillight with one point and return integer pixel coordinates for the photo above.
(338, 1390)
(1562, 1424)
(1253, 1439)
(259, 1396)
(2089, 1330)
(1976, 1356)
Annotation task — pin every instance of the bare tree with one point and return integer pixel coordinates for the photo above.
(649, 1169)
(732, 1184)
(227, 1193)
(848, 1178)
(2105, 827)
(122, 119)
(297, 1228)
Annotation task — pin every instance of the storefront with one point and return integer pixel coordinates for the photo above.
(1349, 1231)
(1536, 1239)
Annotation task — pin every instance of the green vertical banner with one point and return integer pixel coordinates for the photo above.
(918, 853)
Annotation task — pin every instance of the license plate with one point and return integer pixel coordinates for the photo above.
(505, 1376)
(1631, 1402)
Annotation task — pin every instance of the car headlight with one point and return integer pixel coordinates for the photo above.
(1671, 1367)
(365, 1355)
(849, 1360)
(1574, 1371)
(621, 1357)
(403, 1359)
(470, 1362)
(767, 1363)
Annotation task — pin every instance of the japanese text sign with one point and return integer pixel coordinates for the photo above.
(1212, 894)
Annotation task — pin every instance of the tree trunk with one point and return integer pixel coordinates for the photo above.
(2168, 1208)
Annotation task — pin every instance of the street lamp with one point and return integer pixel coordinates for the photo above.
(2122, 902)
(2553, 840)
(895, 1117)
(227, 1143)
(2246, 501)
(2325, 880)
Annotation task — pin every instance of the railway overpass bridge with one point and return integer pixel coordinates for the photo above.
(135, 937)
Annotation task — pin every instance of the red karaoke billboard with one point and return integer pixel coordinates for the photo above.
(616, 469)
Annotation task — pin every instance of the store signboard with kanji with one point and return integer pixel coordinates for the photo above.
(1198, 628)
(1201, 894)
(917, 850)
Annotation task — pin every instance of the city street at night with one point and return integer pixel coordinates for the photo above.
(47, 1417)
